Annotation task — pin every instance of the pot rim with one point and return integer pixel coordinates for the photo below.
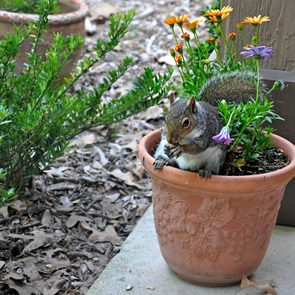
(53, 19)
(191, 180)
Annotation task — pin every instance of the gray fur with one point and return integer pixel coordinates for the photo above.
(232, 87)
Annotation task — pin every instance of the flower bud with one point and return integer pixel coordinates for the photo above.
(185, 36)
(212, 39)
(232, 36)
(178, 58)
(179, 48)
(240, 26)
(172, 52)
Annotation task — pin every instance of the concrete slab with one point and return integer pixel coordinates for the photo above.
(141, 267)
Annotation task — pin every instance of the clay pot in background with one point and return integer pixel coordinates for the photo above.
(212, 232)
(70, 20)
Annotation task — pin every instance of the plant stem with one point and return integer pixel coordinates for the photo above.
(236, 54)
(198, 43)
(230, 118)
(218, 54)
(196, 37)
(174, 35)
(180, 69)
(225, 40)
(256, 35)
(244, 37)
(257, 84)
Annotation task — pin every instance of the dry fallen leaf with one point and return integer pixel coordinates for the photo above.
(132, 145)
(14, 276)
(60, 186)
(108, 235)
(21, 288)
(127, 177)
(74, 219)
(47, 218)
(56, 171)
(97, 165)
(19, 206)
(153, 113)
(39, 241)
(112, 197)
(4, 211)
(264, 286)
(55, 288)
(30, 268)
(102, 157)
(84, 139)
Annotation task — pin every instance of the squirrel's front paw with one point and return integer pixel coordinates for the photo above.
(172, 151)
(205, 173)
(159, 163)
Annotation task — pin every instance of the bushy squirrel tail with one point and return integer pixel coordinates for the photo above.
(232, 87)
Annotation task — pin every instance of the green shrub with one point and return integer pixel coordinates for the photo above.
(6, 195)
(24, 6)
(45, 114)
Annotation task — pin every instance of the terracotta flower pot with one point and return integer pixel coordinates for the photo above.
(212, 232)
(70, 20)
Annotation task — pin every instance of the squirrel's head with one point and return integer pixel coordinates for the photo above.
(181, 121)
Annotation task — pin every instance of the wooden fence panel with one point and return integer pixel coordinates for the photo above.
(278, 33)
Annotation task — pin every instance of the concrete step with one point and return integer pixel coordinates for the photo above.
(140, 267)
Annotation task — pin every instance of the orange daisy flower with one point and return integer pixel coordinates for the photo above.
(216, 15)
(232, 35)
(178, 47)
(178, 58)
(185, 35)
(193, 24)
(256, 20)
(212, 39)
(176, 20)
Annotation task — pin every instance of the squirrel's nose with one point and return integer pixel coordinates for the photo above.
(170, 137)
(171, 140)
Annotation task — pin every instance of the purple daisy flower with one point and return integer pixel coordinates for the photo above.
(261, 52)
(223, 136)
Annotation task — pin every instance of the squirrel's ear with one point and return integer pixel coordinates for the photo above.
(192, 104)
(171, 97)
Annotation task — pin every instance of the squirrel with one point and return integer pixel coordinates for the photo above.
(186, 142)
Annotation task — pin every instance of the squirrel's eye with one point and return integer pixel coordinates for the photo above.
(186, 123)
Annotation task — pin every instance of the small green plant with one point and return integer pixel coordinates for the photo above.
(246, 130)
(43, 114)
(249, 130)
(23, 6)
